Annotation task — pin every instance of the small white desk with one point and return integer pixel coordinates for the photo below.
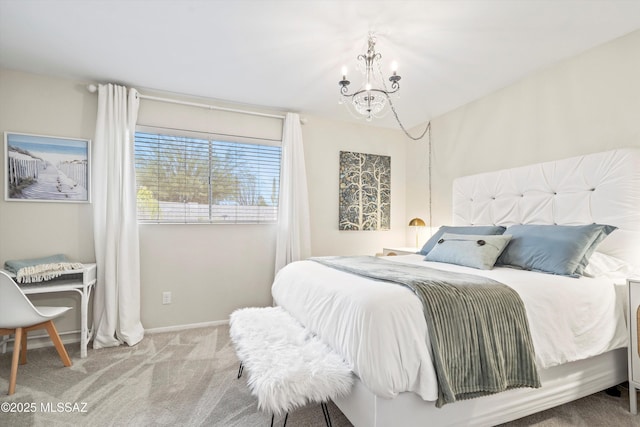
(83, 286)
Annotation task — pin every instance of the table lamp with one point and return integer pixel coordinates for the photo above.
(417, 222)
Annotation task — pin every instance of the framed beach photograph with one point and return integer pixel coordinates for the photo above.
(46, 168)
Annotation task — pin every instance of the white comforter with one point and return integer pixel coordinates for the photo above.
(379, 327)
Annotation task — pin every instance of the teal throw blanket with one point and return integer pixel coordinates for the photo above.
(40, 269)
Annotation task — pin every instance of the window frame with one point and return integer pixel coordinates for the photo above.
(212, 137)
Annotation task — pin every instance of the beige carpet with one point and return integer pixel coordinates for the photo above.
(188, 378)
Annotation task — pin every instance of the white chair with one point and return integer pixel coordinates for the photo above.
(18, 316)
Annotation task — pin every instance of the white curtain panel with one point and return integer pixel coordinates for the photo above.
(294, 235)
(116, 301)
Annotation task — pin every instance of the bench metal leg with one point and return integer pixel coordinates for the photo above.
(325, 412)
(285, 419)
(240, 369)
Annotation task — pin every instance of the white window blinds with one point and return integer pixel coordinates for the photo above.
(184, 177)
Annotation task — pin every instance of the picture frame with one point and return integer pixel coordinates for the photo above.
(40, 168)
(364, 192)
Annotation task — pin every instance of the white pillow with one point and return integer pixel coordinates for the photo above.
(470, 250)
(605, 265)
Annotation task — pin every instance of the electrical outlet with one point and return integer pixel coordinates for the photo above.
(166, 298)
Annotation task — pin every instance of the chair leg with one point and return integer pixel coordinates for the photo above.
(14, 361)
(23, 351)
(57, 342)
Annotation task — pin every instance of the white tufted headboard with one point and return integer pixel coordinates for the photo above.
(601, 188)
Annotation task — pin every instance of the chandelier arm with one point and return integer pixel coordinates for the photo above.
(343, 91)
(386, 92)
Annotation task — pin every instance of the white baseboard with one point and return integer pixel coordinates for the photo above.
(187, 326)
(73, 337)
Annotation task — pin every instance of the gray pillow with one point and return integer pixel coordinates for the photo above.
(467, 229)
(471, 250)
(556, 249)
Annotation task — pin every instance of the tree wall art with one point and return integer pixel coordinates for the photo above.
(365, 191)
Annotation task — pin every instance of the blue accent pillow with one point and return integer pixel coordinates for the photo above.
(556, 249)
(484, 230)
(470, 250)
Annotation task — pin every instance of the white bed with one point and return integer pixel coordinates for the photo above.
(577, 325)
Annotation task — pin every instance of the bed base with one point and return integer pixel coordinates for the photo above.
(560, 384)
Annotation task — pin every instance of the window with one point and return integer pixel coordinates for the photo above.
(189, 177)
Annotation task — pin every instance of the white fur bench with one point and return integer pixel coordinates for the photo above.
(287, 366)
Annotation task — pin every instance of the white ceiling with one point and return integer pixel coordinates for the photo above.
(288, 54)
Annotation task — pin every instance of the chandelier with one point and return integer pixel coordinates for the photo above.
(373, 95)
(369, 100)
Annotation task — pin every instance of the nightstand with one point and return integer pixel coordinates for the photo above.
(399, 251)
(634, 337)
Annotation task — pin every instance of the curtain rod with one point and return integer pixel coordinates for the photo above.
(93, 88)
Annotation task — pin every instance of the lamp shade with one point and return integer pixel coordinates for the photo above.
(416, 222)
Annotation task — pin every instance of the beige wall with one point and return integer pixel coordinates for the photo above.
(210, 269)
(47, 106)
(582, 105)
(323, 141)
